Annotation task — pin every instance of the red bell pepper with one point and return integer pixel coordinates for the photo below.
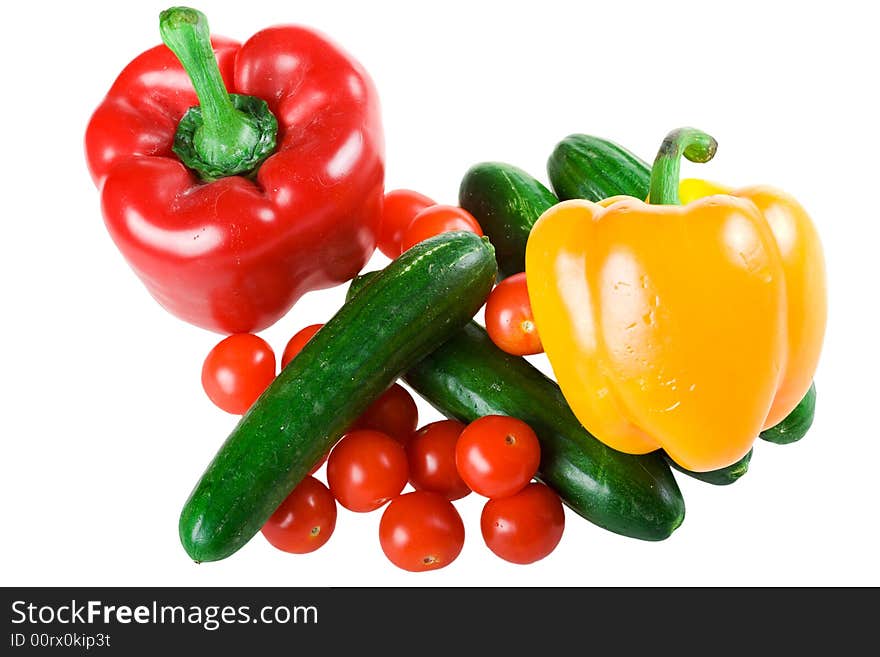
(230, 207)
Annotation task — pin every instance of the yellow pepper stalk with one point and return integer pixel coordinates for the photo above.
(689, 328)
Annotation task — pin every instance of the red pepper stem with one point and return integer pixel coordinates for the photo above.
(695, 145)
(222, 139)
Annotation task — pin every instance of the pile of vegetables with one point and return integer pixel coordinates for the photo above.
(681, 319)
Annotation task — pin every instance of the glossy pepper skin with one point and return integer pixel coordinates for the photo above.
(806, 301)
(234, 254)
(689, 328)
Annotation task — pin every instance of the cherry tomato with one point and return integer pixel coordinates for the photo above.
(297, 342)
(496, 455)
(398, 211)
(393, 413)
(366, 469)
(524, 527)
(431, 454)
(435, 220)
(305, 520)
(421, 531)
(509, 319)
(237, 370)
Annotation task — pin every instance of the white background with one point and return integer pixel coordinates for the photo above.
(105, 426)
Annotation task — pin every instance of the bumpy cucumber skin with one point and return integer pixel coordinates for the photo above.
(796, 424)
(583, 166)
(506, 201)
(406, 311)
(720, 477)
(468, 377)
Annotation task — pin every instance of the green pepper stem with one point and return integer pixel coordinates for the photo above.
(225, 136)
(695, 145)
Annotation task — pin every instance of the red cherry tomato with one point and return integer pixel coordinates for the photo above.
(297, 342)
(509, 319)
(366, 469)
(394, 413)
(524, 527)
(497, 456)
(398, 211)
(421, 531)
(435, 220)
(237, 370)
(431, 454)
(305, 520)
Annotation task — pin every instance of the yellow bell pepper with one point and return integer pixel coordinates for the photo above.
(688, 328)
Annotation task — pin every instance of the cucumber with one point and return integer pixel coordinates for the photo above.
(507, 202)
(796, 424)
(720, 477)
(468, 377)
(406, 311)
(583, 166)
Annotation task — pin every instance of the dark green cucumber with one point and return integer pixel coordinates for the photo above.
(507, 202)
(796, 424)
(720, 477)
(583, 166)
(405, 312)
(468, 377)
